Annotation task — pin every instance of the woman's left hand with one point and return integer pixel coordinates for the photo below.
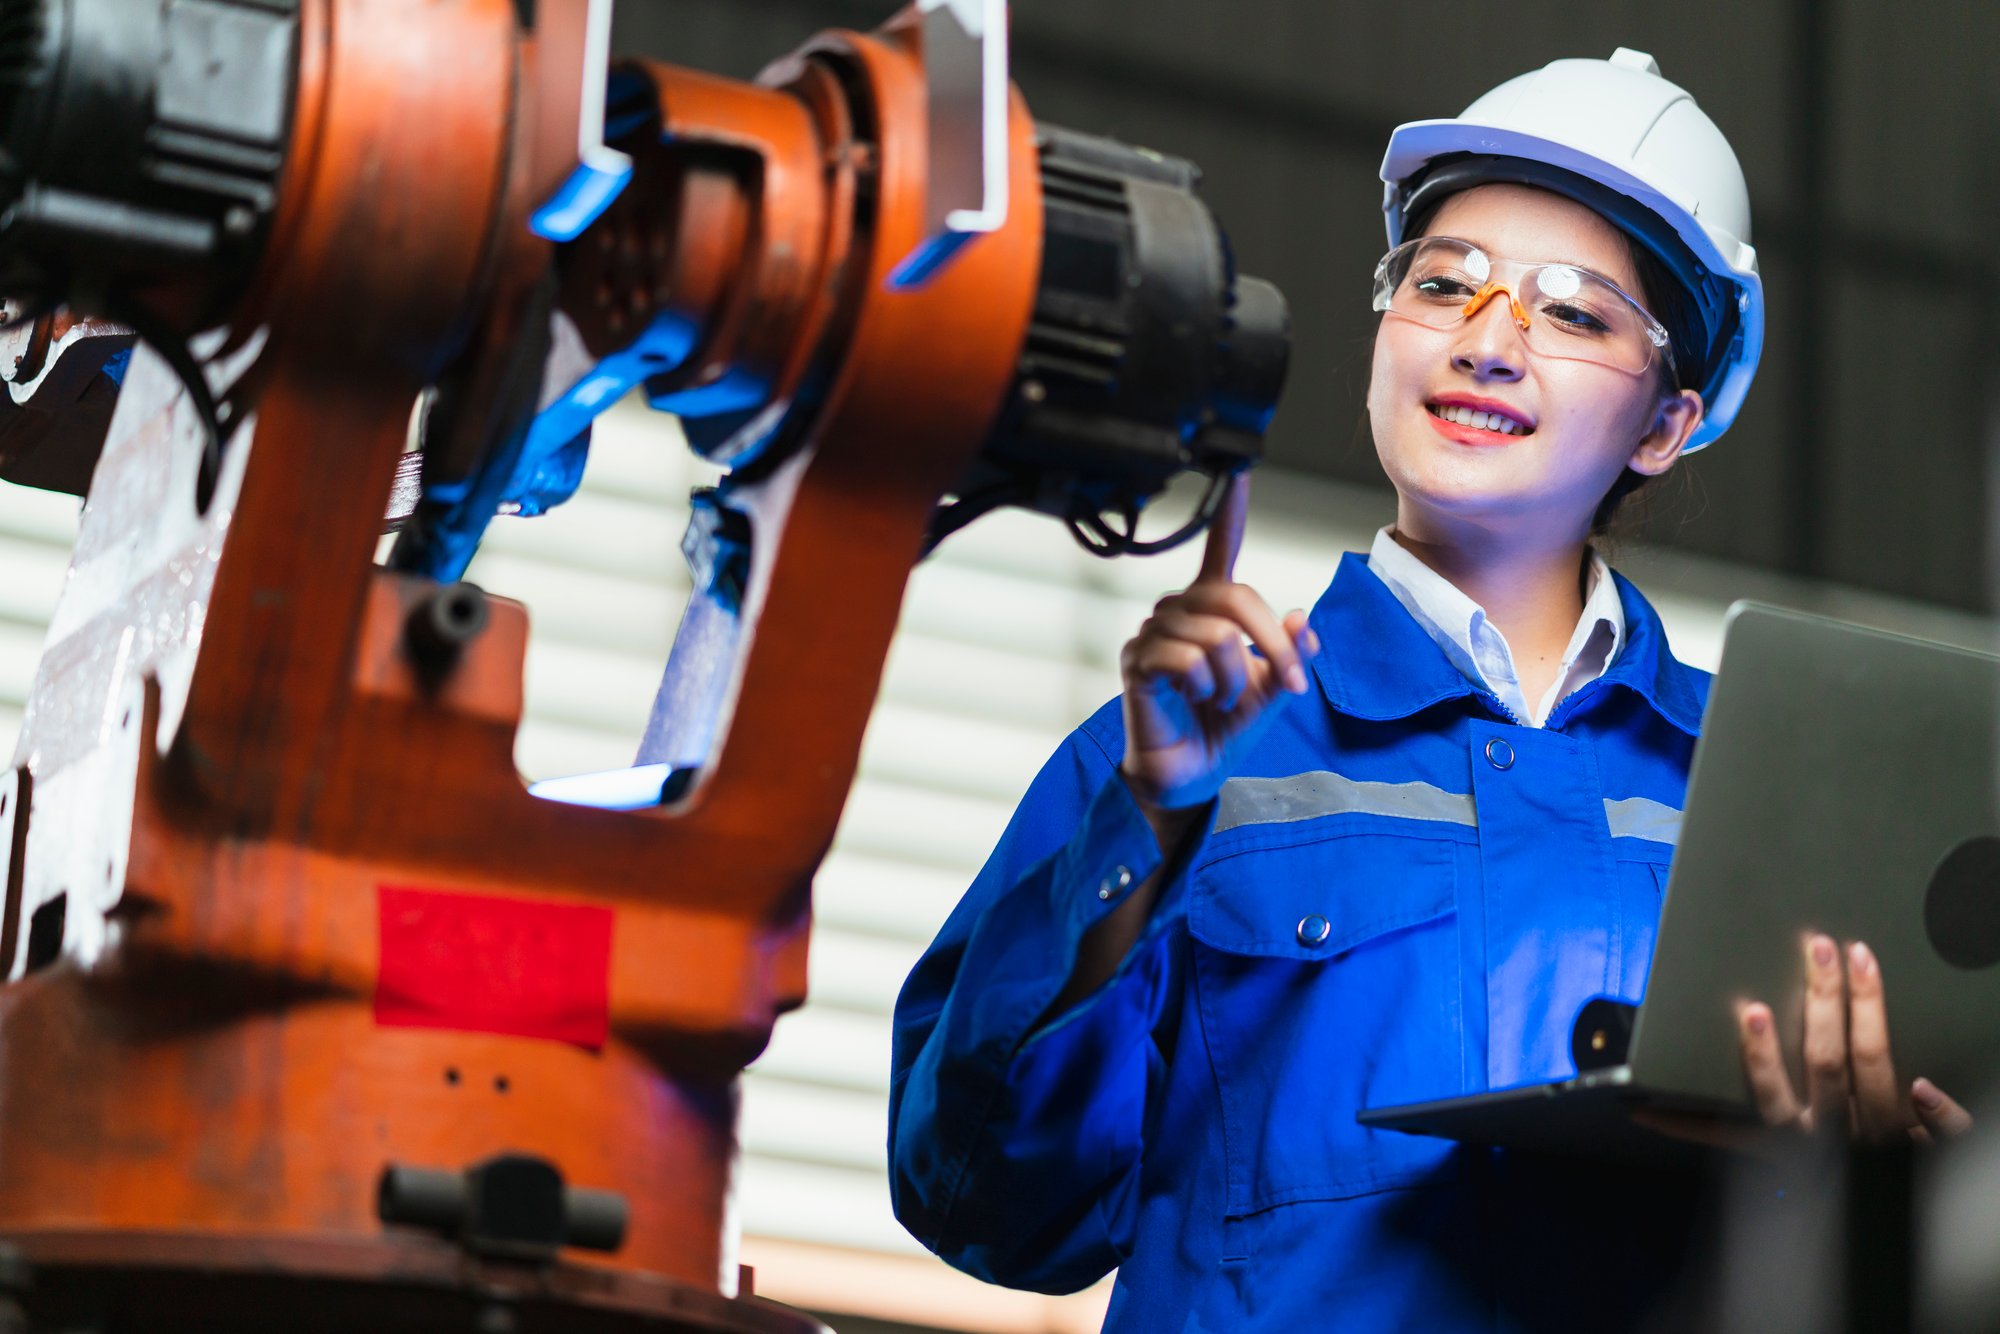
(1852, 1090)
(1851, 1084)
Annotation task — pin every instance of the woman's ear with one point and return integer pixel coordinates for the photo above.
(1674, 422)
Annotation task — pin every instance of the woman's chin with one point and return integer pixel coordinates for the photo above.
(1463, 487)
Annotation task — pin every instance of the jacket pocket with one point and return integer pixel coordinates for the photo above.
(1328, 979)
(1641, 892)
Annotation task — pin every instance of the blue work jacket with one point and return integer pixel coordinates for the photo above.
(1401, 895)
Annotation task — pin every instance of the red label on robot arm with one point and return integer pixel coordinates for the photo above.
(487, 964)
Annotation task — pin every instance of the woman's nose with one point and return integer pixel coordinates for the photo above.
(1489, 345)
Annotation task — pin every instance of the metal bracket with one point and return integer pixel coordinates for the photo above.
(602, 172)
(965, 68)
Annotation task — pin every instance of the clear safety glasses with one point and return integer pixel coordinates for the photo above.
(1561, 310)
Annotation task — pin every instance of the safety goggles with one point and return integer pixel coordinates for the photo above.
(1562, 310)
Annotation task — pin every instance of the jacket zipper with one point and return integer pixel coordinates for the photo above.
(1574, 701)
(1500, 708)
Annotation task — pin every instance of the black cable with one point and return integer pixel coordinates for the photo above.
(950, 518)
(171, 348)
(30, 312)
(1091, 528)
(1096, 536)
(1103, 544)
(440, 539)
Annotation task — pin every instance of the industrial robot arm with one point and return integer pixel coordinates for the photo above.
(272, 881)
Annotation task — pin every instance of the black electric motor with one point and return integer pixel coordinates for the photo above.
(140, 148)
(1147, 356)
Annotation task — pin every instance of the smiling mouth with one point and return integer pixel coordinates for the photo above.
(1498, 422)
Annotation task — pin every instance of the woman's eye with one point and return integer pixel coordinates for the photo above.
(1576, 318)
(1443, 287)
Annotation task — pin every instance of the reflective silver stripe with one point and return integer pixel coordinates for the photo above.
(1639, 817)
(1304, 796)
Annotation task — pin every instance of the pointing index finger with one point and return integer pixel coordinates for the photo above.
(1225, 534)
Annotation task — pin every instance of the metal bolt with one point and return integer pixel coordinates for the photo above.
(442, 624)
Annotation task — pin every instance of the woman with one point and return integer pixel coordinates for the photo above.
(1386, 857)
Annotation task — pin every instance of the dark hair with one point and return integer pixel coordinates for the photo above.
(1663, 295)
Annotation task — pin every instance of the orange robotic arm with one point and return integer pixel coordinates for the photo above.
(305, 992)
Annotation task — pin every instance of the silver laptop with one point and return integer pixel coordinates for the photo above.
(1848, 781)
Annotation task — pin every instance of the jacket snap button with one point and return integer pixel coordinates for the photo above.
(1117, 880)
(1499, 754)
(1314, 929)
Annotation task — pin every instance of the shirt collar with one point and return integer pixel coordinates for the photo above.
(1677, 691)
(1438, 605)
(1376, 661)
(1603, 604)
(1475, 645)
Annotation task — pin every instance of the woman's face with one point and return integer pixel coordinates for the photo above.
(1580, 424)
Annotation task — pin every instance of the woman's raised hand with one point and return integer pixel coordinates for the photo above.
(1194, 693)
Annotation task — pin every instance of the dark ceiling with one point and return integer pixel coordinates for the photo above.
(1868, 132)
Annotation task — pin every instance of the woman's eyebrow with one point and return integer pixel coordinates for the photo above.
(1495, 252)
(1623, 285)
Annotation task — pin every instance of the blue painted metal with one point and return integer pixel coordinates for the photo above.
(581, 200)
(631, 789)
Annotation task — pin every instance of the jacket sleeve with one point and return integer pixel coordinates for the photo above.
(1014, 1150)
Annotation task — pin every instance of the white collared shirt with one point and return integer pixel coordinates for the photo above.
(1476, 646)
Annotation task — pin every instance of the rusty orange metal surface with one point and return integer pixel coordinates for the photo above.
(231, 750)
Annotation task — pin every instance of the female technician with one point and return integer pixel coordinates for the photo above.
(1388, 856)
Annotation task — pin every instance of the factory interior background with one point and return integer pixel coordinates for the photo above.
(1859, 480)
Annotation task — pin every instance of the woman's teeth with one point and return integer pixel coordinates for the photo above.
(1478, 421)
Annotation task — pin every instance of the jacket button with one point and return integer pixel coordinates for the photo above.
(1314, 929)
(1114, 882)
(1499, 754)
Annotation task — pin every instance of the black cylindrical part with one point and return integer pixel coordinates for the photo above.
(141, 142)
(1147, 355)
(443, 623)
(595, 1220)
(1251, 361)
(421, 1197)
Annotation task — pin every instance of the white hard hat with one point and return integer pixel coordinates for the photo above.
(1617, 137)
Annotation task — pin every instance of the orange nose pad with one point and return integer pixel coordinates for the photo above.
(1486, 294)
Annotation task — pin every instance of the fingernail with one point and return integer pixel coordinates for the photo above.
(1758, 1018)
(1927, 1095)
(1822, 951)
(1295, 677)
(1860, 958)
